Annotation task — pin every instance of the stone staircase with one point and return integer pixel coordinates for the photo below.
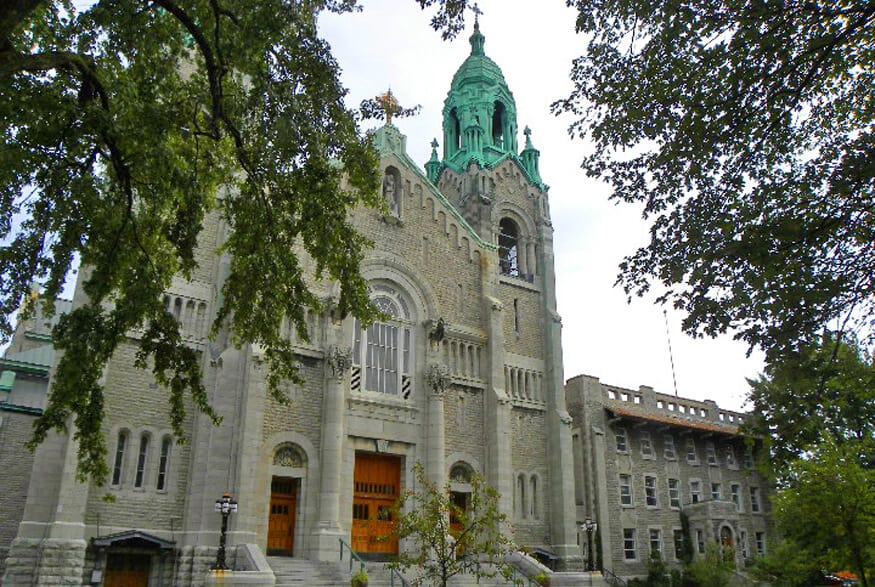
(297, 572)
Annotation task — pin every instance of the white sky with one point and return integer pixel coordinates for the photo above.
(390, 43)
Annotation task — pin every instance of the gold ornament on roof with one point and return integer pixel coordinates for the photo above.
(389, 103)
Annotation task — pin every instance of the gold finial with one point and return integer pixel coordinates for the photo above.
(389, 103)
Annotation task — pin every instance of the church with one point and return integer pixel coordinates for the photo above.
(465, 376)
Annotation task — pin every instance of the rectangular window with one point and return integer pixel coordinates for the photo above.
(730, 457)
(668, 447)
(655, 542)
(646, 445)
(620, 439)
(381, 358)
(678, 544)
(650, 491)
(711, 454)
(629, 544)
(700, 541)
(163, 464)
(692, 457)
(625, 489)
(761, 543)
(716, 492)
(748, 459)
(735, 489)
(743, 539)
(695, 491)
(755, 500)
(674, 493)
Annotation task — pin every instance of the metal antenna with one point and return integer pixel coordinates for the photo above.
(670, 354)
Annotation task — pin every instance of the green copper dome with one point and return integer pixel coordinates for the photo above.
(479, 113)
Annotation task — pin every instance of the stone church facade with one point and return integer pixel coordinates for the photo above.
(465, 376)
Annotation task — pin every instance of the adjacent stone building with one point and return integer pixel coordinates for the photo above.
(24, 380)
(644, 461)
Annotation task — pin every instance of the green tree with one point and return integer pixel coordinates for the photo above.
(439, 530)
(824, 393)
(746, 131)
(124, 126)
(827, 511)
(712, 569)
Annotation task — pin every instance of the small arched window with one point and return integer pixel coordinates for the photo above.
(533, 498)
(164, 463)
(119, 462)
(455, 127)
(499, 118)
(508, 247)
(142, 458)
(521, 493)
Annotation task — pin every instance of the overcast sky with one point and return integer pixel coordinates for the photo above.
(390, 43)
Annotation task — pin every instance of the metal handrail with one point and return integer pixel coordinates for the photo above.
(352, 556)
(612, 579)
(392, 573)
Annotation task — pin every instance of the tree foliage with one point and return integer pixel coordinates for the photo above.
(480, 531)
(827, 511)
(746, 131)
(824, 393)
(125, 126)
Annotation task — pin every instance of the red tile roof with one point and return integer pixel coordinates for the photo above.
(665, 419)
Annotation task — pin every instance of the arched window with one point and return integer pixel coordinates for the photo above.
(456, 129)
(382, 354)
(289, 454)
(533, 497)
(521, 493)
(142, 458)
(119, 462)
(461, 472)
(508, 247)
(164, 463)
(499, 118)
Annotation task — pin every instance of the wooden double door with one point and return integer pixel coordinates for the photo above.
(127, 570)
(377, 486)
(283, 515)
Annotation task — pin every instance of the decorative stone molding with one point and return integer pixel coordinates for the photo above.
(438, 378)
(339, 359)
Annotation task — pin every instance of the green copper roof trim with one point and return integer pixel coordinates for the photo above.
(38, 336)
(396, 145)
(23, 409)
(483, 165)
(24, 367)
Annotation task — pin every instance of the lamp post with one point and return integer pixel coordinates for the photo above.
(589, 526)
(225, 506)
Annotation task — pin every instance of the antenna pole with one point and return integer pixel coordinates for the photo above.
(670, 354)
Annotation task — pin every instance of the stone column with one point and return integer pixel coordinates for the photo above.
(499, 467)
(328, 531)
(563, 530)
(438, 380)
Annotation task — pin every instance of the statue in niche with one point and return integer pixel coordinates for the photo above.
(390, 192)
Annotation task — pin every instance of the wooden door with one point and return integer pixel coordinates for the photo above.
(377, 484)
(127, 570)
(283, 508)
(459, 502)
